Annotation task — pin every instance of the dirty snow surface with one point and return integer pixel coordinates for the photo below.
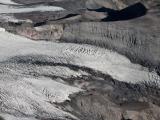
(33, 75)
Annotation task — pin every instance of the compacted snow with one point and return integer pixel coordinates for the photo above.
(31, 74)
(8, 8)
(2, 30)
(7, 2)
(26, 95)
(112, 63)
(17, 9)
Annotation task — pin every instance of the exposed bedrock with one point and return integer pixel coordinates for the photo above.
(110, 99)
(48, 32)
(98, 106)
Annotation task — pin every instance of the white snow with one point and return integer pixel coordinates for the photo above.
(7, 8)
(112, 63)
(17, 9)
(31, 95)
(7, 2)
(54, 91)
(2, 29)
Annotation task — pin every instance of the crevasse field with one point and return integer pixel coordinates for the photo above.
(24, 92)
(38, 78)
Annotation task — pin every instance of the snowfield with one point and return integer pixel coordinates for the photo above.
(8, 8)
(24, 95)
(109, 62)
(17, 9)
(32, 73)
(7, 2)
(2, 30)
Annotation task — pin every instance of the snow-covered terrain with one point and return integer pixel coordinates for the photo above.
(87, 60)
(24, 95)
(2, 30)
(38, 77)
(8, 8)
(26, 67)
(109, 62)
(7, 2)
(17, 9)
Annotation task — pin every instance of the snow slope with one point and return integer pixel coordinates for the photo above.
(8, 8)
(27, 96)
(17, 9)
(32, 73)
(7, 2)
(112, 63)
(2, 30)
